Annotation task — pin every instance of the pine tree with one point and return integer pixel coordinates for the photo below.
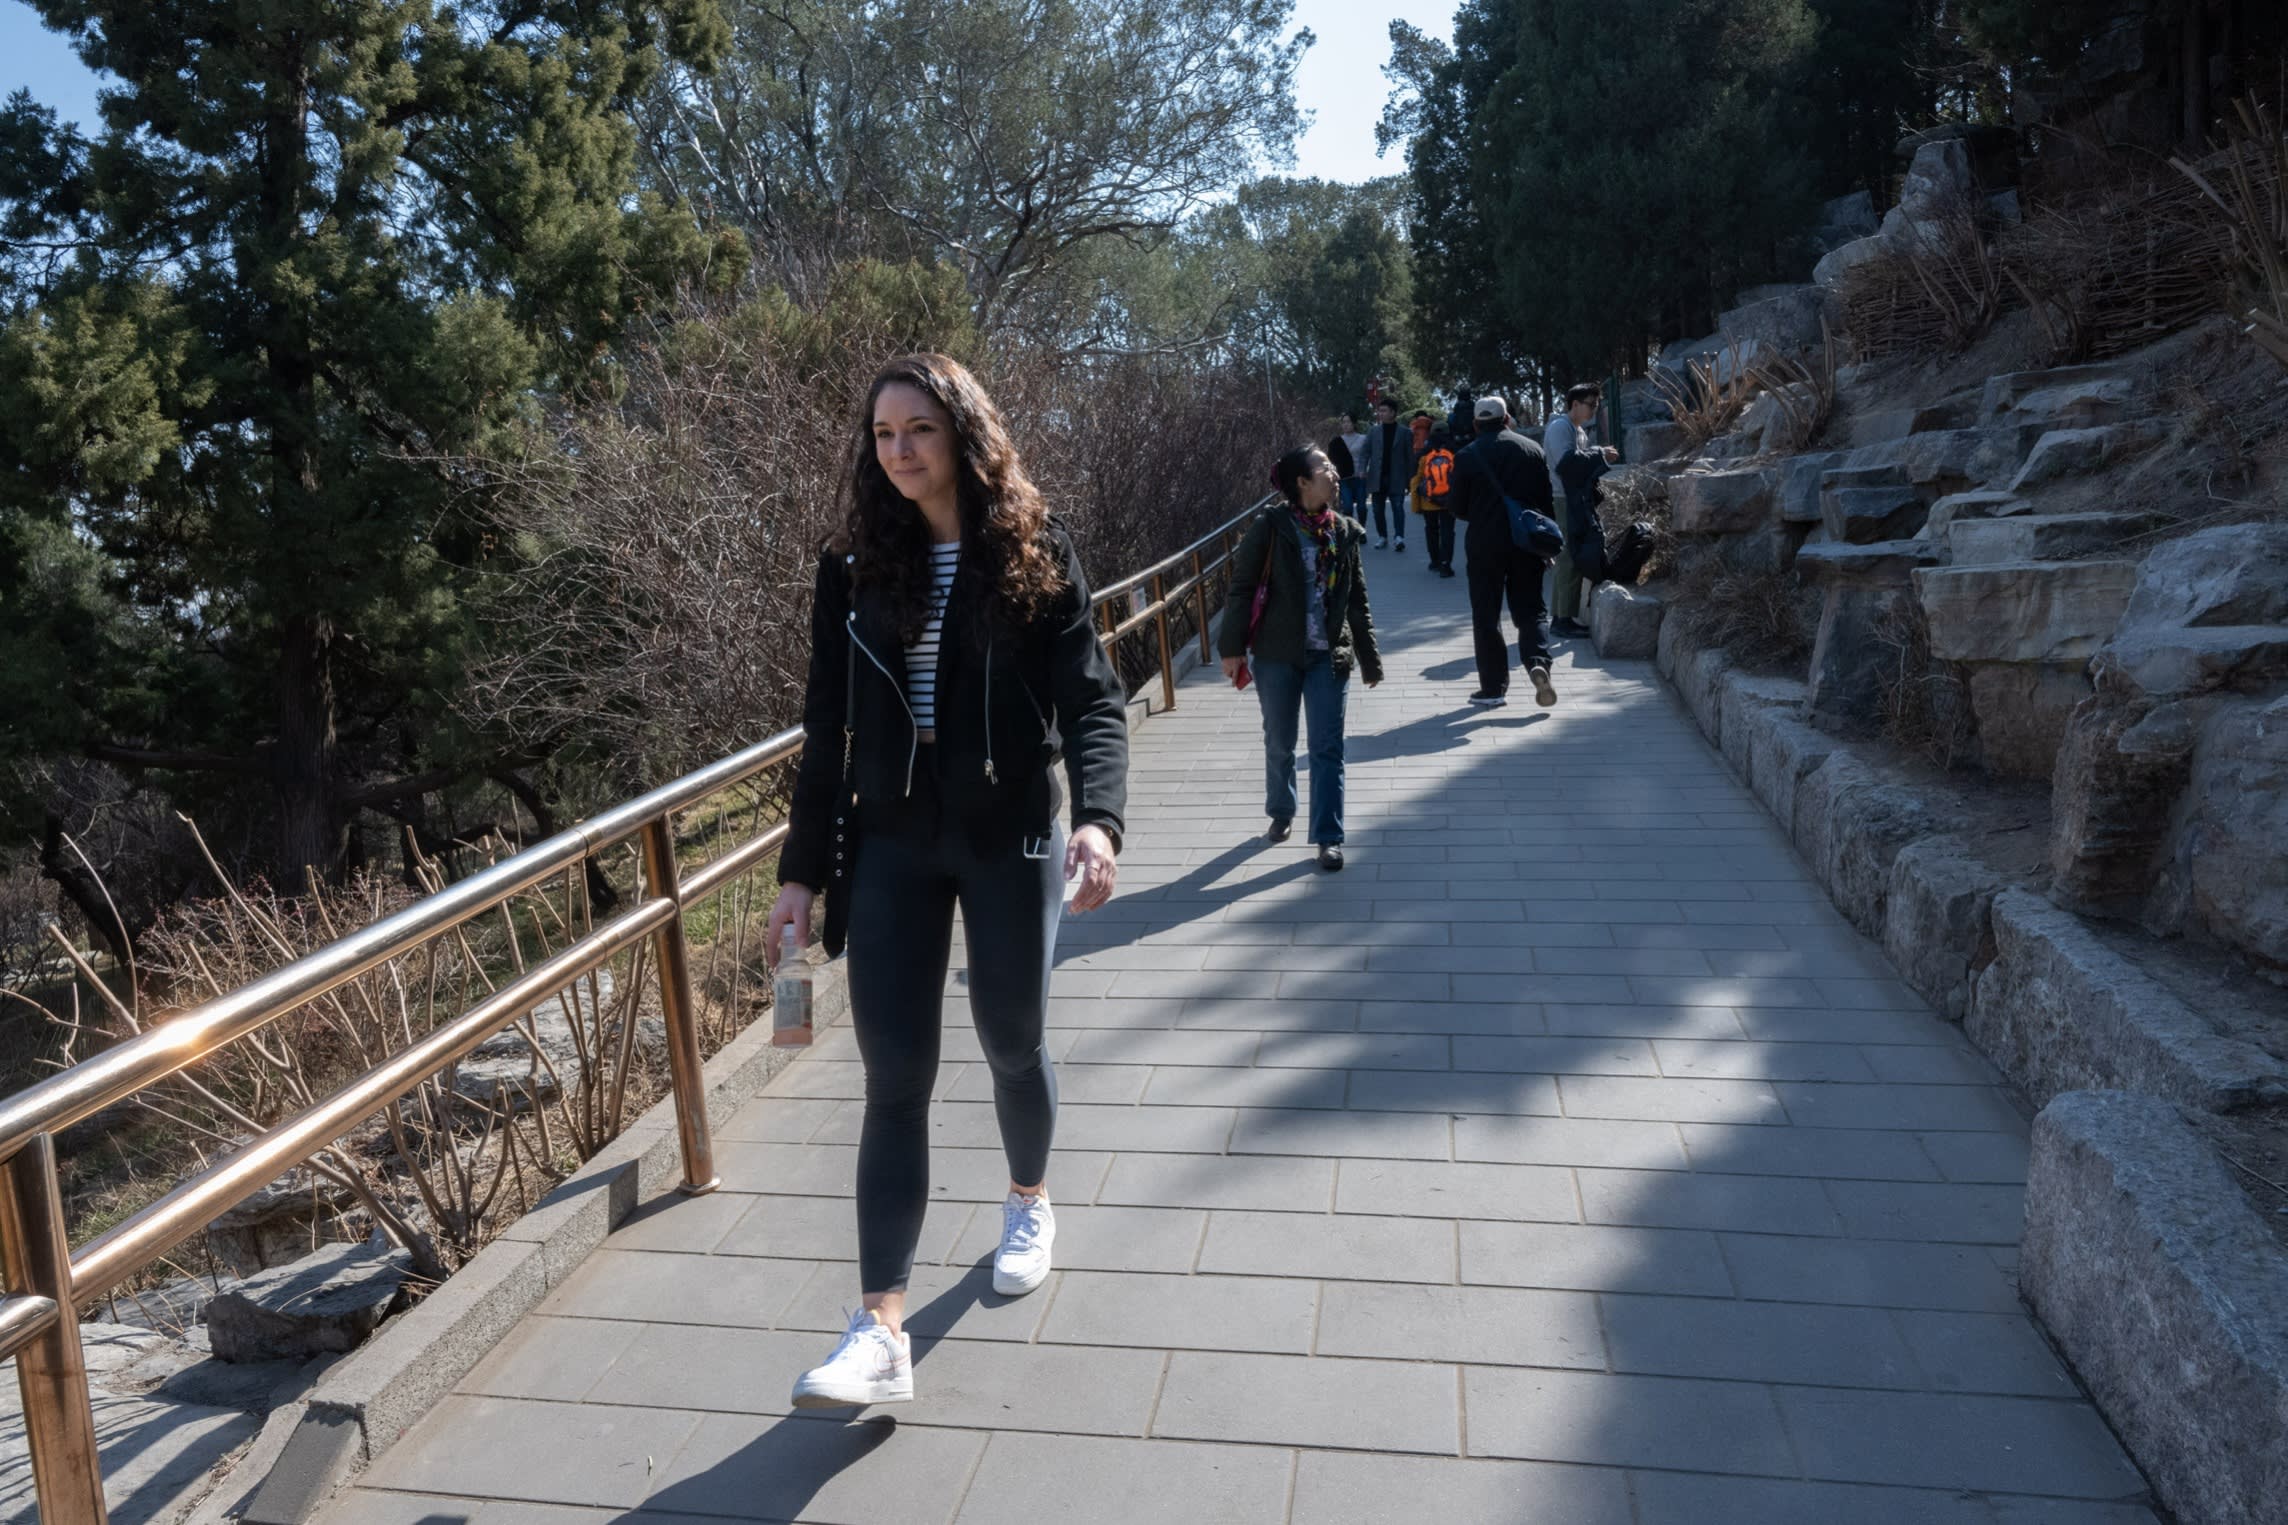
(316, 249)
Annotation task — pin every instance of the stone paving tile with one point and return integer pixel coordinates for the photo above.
(1686, 1498)
(956, 1301)
(1183, 1312)
(1310, 1401)
(1757, 1342)
(1449, 1091)
(1288, 1183)
(1949, 1211)
(1990, 1157)
(1933, 1440)
(1074, 1480)
(486, 1448)
(1843, 1153)
(1885, 1275)
(1070, 1389)
(1624, 1421)
(679, 1288)
(1447, 1189)
(1194, 1085)
(826, 1228)
(1568, 1141)
(749, 1467)
(1703, 1199)
(1593, 1259)
(1374, 1135)
(1493, 1326)
(1348, 1245)
(1353, 1488)
(1556, 1055)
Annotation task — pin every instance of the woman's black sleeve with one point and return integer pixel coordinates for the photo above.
(1361, 620)
(1092, 708)
(818, 784)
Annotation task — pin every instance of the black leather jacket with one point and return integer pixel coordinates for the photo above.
(1008, 706)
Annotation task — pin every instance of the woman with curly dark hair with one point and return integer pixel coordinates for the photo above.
(1313, 628)
(953, 661)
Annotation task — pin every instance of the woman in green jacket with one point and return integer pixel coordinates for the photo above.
(1314, 629)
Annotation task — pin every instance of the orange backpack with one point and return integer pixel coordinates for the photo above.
(1437, 475)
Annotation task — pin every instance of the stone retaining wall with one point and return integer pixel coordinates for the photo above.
(2142, 1256)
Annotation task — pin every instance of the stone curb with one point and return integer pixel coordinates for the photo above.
(2170, 1296)
(364, 1404)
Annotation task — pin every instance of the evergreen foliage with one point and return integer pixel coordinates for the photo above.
(315, 249)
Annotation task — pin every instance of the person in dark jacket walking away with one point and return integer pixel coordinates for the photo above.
(1315, 628)
(1387, 464)
(1459, 422)
(1502, 464)
(953, 659)
(1568, 435)
(1344, 450)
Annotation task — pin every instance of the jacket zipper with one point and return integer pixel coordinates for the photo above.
(990, 776)
(913, 727)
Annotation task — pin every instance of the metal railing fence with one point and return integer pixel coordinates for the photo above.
(46, 1282)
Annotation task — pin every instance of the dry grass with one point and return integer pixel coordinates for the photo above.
(1804, 393)
(1634, 494)
(1922, 707)
(1765, 621)
(2248, 182)
(1703, 405)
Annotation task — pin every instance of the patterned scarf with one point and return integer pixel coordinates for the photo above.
(1321, 528)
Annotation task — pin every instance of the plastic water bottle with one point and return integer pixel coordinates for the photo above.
(790, 994)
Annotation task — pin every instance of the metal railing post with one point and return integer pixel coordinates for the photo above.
(1200, 601)
(685, 1068)
(51, 1371)
(1167, 657)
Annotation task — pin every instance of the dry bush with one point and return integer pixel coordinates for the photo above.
(2248, 181)
(668, 541)
(1942, 294)
(1765, 621)
(1803, 391)
(1922, 708)
(445, 1168)
(1702, 405)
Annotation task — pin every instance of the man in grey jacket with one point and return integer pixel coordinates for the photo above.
(1568, 434)
(1387, 465)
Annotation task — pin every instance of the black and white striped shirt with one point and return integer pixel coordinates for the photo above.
(921, 656)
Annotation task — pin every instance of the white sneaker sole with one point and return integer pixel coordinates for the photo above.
(1017, 1286)
(829, 1395)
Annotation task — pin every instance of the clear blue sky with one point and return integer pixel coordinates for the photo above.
(1340, 84)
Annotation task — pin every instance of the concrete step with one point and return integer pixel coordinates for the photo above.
(2023, 611)
(2042, 537)
(1865, 515)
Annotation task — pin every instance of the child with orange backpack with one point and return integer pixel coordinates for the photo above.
(1433, 479)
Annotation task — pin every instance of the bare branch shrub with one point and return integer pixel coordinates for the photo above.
(1710, 397)
(669, 540)
(2251, 187)
(1803, 391)
(1633, 494)
(1764, 620)
(1942, 293)
(1922, 708)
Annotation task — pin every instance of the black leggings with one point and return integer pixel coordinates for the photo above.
(902, 897)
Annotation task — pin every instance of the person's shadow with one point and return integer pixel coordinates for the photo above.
(778, 1474)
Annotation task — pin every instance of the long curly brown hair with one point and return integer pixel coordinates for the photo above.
(1005, 553)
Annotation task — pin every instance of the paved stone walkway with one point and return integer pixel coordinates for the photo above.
(1566, 1160)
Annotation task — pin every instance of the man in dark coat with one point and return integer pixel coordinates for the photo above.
(1501, 464)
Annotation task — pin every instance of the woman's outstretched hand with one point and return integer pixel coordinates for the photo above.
(792, 908)
(1088, 857)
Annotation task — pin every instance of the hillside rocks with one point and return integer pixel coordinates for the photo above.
(1625, 622)
(324, 1303)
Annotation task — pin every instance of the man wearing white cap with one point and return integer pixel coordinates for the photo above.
(1500, 465)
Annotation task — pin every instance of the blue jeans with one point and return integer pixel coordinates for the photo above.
(1313, 688)
(1354, 497)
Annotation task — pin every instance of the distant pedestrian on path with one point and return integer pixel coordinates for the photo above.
(1568, 436)
(1344, 450)
(1387, 463)
(1498, 466)
(953, 657)
(1433, 482)
(1315, 628)
(1459, 420)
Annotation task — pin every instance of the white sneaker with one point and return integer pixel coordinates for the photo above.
(871, 1365)
(1028, 1227)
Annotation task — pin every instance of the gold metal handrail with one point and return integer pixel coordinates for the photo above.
(45, 1283)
